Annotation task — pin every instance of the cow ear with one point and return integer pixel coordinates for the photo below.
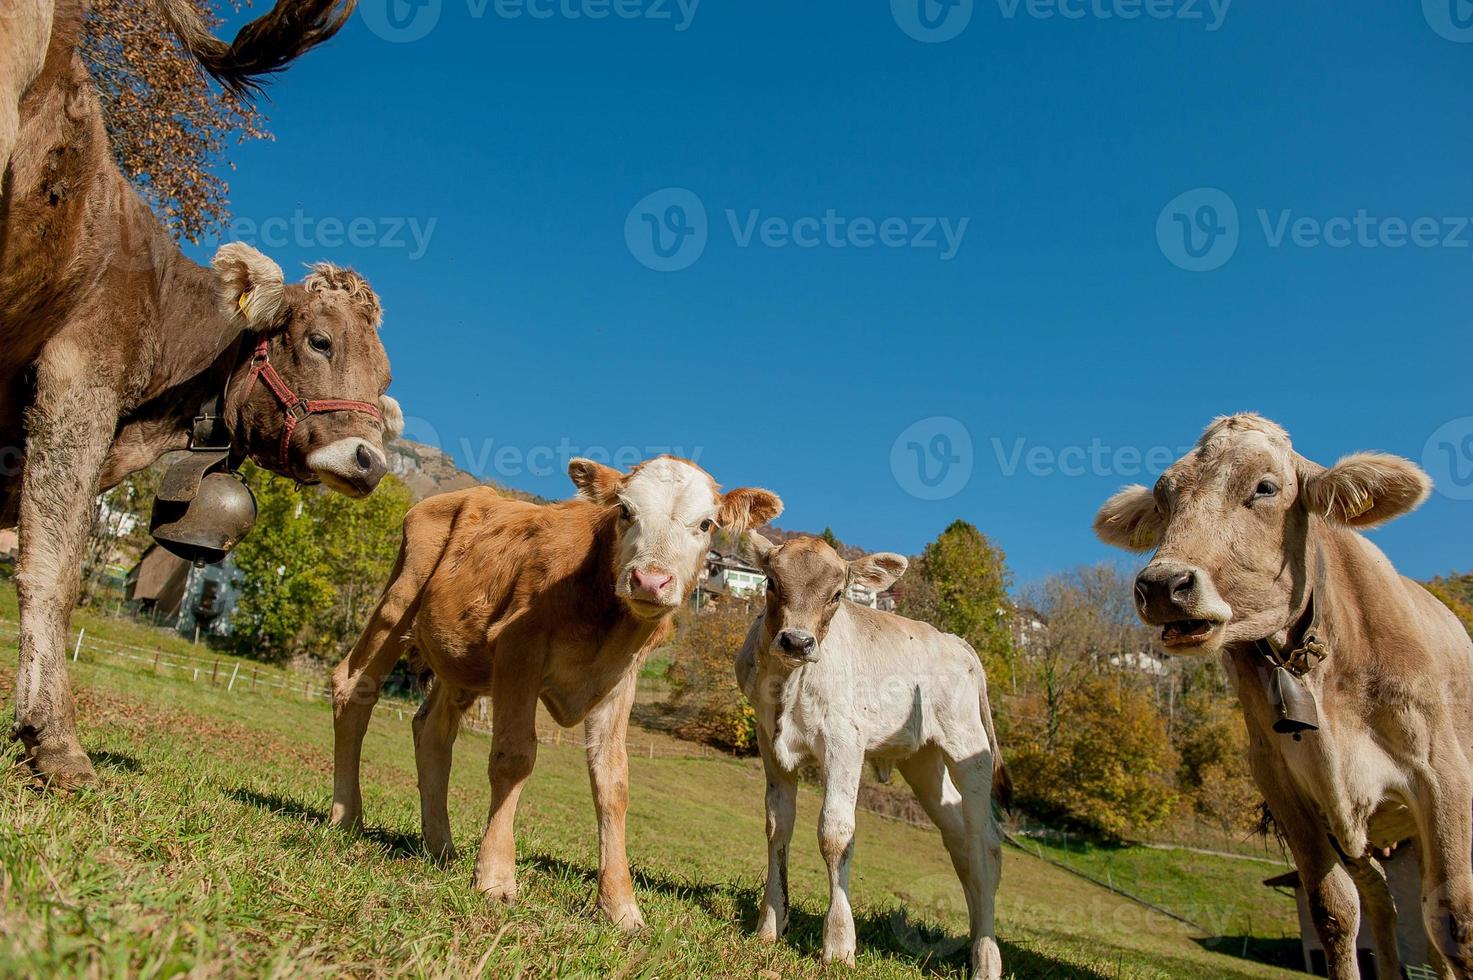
(252, 287)
(1365, 489)
(761, 548)
(595, 481)
(747, 507)
(393, 417)
(877, 572)
(1130, 520)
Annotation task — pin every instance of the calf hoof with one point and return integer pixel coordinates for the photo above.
(842, 955)
(61, 765)
(496, 890)
(441, 853)
(346, 819)
(769, 928)
(625, 918)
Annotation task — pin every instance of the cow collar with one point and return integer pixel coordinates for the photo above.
(1304, 646)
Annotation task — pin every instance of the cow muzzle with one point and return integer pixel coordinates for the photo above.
(797, 645)
(351, 466)
(1181, 600)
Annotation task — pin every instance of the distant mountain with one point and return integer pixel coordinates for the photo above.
(428, 471)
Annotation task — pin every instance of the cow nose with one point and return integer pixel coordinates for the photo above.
(651, 583)
(800, 643)
(1165, 592)
(371, 465)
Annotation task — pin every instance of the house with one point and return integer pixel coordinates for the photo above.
(1142, 662)
(730, 575)
(883, 601)
(1404, 875)
(1028, 626)
(194, 599)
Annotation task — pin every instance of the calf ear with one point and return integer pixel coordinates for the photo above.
(393, 417)
(251, 285)
(877, 572)
(747, 507)
(595, 481)
(1366, 489)
(1130, 520)
(761, 547)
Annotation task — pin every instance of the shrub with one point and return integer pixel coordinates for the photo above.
(703, 683)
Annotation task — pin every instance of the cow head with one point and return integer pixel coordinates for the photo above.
(322, 339)
(806, 580)
(1230, 523)
(668, 509)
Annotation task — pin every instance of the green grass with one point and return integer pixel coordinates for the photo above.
(204, 847)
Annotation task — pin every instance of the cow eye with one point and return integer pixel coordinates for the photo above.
(707, 525)
(320, 344)
(625, 514)
(1265, 488)
(772, 585)
(837, 596)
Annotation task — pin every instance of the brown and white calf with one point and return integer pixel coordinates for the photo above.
(1258, 558)
(519, 601)
(835, 684)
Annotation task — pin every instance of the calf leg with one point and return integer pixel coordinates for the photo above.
(782, 807)
(513, 754)
(70, 428)
(436, 724)
(836, 844)
(608, 771)
(972, 776)
(926, 773)
(356, 683)
(1380, 909)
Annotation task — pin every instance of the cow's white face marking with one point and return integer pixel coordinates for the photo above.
(668, 514)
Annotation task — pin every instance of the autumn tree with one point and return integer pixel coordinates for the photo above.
(703, 687)
(169, 125)
(1456, 592)
(959, 584)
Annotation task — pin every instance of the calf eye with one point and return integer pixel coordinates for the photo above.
(1265, 488)
(625, 514)
(320, 344)
(837, 596)
(707, 525)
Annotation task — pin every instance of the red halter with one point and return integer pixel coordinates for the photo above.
(296, 409)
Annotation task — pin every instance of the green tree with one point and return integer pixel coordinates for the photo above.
(960, 584)
(832, 540)
(314, 566)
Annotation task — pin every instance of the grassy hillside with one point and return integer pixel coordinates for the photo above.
(205, 847)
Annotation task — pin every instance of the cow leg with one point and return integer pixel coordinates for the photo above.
(970, 770)
(836, 844)
(1380, 908)
(436, 724)
(356, 683)
(70, 428)
(608, 772)
(782, 807)
(1444, 815)
(513, 754)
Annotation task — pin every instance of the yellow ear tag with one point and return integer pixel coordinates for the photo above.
(243, 302)
(1365, 504)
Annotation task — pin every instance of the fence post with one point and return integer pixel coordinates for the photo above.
(254, 671)
(196, 676)
(155, 660)
(78, 648)
(231, 686)
(652, 750)
(214, 672)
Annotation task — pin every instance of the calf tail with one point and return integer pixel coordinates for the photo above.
(265, 45)
(1002, 780)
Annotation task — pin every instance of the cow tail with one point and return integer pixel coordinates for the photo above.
(265, 45)
(1002, 780)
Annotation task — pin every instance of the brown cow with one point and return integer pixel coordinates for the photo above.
(1353, 680)
(560, 602)
(111, 342)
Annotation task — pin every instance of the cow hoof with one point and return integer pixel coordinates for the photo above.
(62, 767)
(442, 854)
(986, 961)
(349, 821)
(626, 919)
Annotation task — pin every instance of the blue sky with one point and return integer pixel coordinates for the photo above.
(508, 173)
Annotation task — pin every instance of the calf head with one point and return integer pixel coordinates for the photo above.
(321, 338)
(1231, 524)
(668, 510)
(806, 581)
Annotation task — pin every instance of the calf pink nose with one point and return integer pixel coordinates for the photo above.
(652, 583)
